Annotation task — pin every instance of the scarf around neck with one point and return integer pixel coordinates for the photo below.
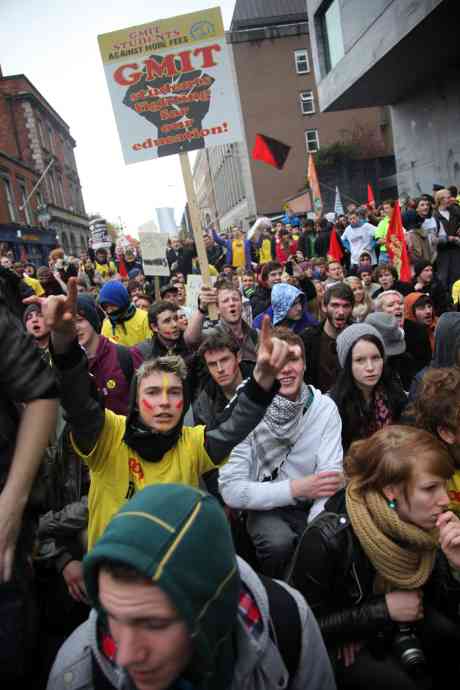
(118, 318)
(279, 430)
(402, 554)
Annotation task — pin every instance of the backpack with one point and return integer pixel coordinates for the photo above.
(125, 362)
(285, 619)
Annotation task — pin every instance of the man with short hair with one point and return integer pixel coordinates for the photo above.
(419, 325)
(36, 326)
(150, 444)
(283, 472)
(380, 232)
(229, 304)
(222, 356)
(357, 238)
(387, 277)
(322, 364)
(168, 613)
(365, 273)
(334, 272)
(425, 281)
(270, 275)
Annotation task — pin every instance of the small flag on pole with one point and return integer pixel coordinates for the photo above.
(338, 206)
(122, 267)
(314, 184)
(370, 195)
(396, 245)
(335, 251)
(270, 151)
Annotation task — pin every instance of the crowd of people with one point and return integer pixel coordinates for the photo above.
(266, 499)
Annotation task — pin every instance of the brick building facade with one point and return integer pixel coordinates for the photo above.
(32, 134)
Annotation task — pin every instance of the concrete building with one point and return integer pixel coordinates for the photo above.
(400, 53)
(272, 57)
(32, 134)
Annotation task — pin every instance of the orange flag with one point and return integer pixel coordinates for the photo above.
(314, 184)
(370, 196)
(122, 267)
(335, 251)
(396, 245)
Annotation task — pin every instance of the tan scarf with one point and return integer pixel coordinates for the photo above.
(402, 554)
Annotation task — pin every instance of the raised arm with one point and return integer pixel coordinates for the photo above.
(24, 378)
(78, 394)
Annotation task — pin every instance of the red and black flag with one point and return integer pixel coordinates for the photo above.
(270, 151)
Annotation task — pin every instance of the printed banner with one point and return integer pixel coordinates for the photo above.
(153, 247)
(99, 234)
(171, 85)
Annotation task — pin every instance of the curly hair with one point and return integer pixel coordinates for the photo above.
(438, 400)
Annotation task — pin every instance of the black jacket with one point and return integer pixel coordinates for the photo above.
(336, 578)
(24, 376)
(153, 347)
(417, 343)
(261, 300)
(399, 285)
(211, 406)
(439, 295)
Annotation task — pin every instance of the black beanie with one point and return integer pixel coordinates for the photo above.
(420, 265)
(87, 308)
(29, 310)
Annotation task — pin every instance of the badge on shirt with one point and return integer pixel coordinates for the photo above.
(111, 384)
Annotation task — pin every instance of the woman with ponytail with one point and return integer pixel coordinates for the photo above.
(375, 569)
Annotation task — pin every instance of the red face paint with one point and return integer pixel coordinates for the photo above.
(179, 404)
(148, 406)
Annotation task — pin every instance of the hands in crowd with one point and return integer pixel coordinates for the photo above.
(321, 485)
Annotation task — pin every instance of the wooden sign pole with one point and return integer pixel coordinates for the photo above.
(196, 225)
(157, 288)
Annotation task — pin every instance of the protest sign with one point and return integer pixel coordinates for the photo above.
(99, 234)
(171, 85)
(194, 284)
(153, 246)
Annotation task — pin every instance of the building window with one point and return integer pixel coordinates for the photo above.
(312, 140)
(5, 181)
(332, 31)
(307, 103)
(41, 135)
(302, 63)
(51, 139)
(25, 203)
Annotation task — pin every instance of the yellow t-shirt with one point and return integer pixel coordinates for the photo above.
(105, 270)
(117, 471)
(130, 332)
(456, 292)
(265, 252)
(453, 489)
(238, 258)
(34, 284)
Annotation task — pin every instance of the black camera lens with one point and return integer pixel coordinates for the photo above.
(408, 650)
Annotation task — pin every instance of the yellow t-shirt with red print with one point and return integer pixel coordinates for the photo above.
(117, 471)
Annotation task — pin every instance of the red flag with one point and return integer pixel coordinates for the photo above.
(122, 267)
(370, 195)
(396, 245)
(335, 251)
(270, 151)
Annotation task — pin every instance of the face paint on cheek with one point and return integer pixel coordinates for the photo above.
(179, 404)
(147, 405)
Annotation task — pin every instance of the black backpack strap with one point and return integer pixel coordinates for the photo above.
(285, 619)
(100, 680)
(126, 362)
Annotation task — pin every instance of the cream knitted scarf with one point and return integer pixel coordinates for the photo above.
(402, 554)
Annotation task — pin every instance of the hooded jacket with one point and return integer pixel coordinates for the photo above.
(282, 298)
(164, 533)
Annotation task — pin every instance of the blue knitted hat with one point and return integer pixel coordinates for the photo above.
(115, 293)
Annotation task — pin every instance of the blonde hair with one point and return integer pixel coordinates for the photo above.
(439, 193)
(170, 364)
(361, 310)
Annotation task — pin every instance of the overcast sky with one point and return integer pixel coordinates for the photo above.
(54, 43)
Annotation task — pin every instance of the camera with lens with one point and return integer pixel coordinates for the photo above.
(408, 650)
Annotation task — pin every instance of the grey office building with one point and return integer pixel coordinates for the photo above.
(401, 53)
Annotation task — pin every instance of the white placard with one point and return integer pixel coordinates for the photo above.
(154, 246)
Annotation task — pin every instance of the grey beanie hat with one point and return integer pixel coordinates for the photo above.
(350, 336)
(392, 334)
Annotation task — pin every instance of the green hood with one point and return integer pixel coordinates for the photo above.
(180, 538)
